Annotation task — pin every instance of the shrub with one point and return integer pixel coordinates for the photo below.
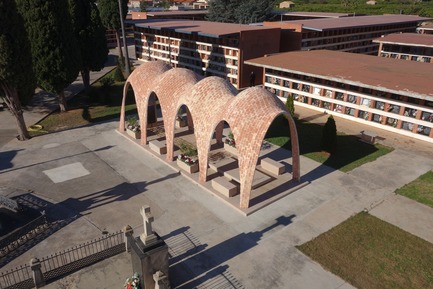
(290, 105)
(107, 81)
(329, 136)
(118, 74)
(188, 150)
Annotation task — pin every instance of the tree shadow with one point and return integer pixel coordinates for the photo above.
(214, 257)
(6, 158)
(349, 148)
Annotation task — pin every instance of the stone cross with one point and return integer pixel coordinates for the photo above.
(148, 237)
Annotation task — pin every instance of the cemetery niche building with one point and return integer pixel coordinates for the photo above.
(210, 102)
(207, 48)
(391, 94)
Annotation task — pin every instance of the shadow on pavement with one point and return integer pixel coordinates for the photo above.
(6, 159)
(209, 261)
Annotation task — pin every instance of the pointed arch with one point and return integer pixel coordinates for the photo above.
(211, 101)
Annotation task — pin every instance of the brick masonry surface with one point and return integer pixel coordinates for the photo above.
(210, 101)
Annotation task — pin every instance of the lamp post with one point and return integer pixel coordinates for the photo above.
(125, 45)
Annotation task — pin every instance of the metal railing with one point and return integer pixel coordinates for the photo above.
(18, 237)
(64, 262)
(18, 278)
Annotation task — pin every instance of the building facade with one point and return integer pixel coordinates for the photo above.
(207, 48)
(393, 95)
(407, 46)
(348, 34)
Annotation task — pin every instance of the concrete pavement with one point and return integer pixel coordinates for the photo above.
(209, 242)
(211, 245)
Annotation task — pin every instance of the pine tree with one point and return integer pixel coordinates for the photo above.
(240, 11)
(90, 35)
(329, 136)
(223, 10)
(17, 80)
(253, 11)
(55, 53)
(110, 16)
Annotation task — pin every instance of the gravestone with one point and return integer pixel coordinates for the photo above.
(149, 253)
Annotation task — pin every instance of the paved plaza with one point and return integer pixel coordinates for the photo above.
(209, 241)
(94, 180)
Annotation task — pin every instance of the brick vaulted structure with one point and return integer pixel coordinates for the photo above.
(210, 101)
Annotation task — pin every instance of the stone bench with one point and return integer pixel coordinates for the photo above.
(273, 167)
(158, 147)
(368, 137)
(223, 186)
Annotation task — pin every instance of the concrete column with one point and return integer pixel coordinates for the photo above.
(127, 233)
(38, 277)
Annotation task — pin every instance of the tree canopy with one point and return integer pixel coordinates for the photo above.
(17, 79)
(55, 53)
(16, 67)
(240, 11)
(90, 35)
(109, 11)
(110, 16)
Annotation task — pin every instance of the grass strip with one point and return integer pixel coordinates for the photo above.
(372, 254)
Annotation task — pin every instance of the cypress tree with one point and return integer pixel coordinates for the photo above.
(17, 80)
(90, 35)
(55, 53)
(329, 136)
(290, 105)
(110, 16)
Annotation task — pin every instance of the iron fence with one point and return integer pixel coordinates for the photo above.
(65, 262)
(18, 278)
(20, 236)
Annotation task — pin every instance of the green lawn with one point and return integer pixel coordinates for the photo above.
(370, 253)
(99, 104)
(351, 152)
(420, 190)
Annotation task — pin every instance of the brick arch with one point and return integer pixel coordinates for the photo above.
(173, 87)
(211, 101)
(141, 80)
(252, 112)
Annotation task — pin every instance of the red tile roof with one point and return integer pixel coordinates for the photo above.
(394, 75)
(412, 39)
(204, 28)
(176, 12)
(314, 14)
(356, 21)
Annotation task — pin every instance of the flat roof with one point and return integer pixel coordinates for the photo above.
(356, 21)
(203, 28)
(412, 39)
(177, 12)
(313, 14)
(427, 26)
(393, 75)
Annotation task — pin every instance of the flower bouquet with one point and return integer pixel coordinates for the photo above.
(132, 282)
(230, 140)
(186, 159)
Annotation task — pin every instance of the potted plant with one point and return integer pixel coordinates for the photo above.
(133, 127)
(230, 144)
(187, 159)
